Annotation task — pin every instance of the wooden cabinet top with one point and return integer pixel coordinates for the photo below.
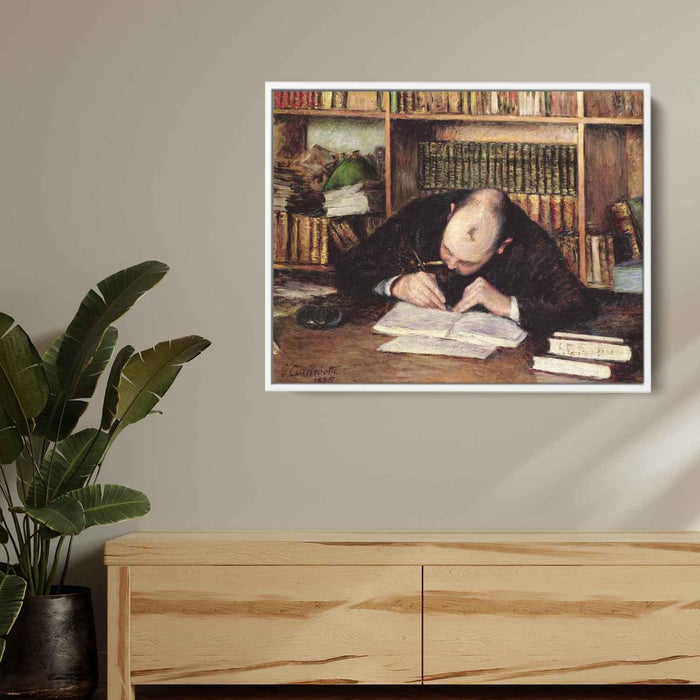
(403, 548)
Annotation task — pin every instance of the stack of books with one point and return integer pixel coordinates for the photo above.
(362, 198)
(581, 355)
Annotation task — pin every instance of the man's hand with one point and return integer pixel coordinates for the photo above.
(419, 288)
(481, 292)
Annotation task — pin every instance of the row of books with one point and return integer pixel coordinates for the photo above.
(302, 239)
(537, 103)
(540, 103)
(514, 167)
(351, 100)
(583, 355)
(600, 256)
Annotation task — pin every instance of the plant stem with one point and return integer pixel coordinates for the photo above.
(54, 566)
(65, 566)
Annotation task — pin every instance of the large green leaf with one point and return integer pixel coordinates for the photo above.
(64, 515)
(66, 466)
(108, 504)
(117, 294)
(10, 439)
(12, 590)
(64, 411)
(23, 384)
(109, 408)
(148, 375)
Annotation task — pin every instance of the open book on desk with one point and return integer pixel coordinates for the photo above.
(455, 334)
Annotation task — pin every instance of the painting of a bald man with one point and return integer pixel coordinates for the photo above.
(494, 257)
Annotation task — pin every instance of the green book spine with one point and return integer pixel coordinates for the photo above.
(458, 161)
(548, 169)
(548, 103)
(469, 166)
(525, 165)
(474, 166)
(540, 169)
(511, 167)
(484, 165)
(394, 101)
(422, 148)
(498, 174)
(441, 174)
(572, 163)
(563, 173)
(410, 101)
(432, 166)
(556, 177)
(450, 158)
(518, 165)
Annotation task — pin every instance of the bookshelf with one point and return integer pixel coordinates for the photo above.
(609, 150)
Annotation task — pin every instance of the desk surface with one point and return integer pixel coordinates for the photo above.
(348, 354)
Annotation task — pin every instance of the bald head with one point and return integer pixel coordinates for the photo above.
(474, 231)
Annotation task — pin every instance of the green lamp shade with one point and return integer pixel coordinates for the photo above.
(350, 172)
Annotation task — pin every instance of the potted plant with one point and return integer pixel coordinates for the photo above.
(50, 652)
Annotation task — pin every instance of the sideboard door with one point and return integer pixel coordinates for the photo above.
(562, 624)
(275, 624)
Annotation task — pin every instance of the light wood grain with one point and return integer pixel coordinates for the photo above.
(259, 624)
(561, 625)
(118, 653)
(403, 548)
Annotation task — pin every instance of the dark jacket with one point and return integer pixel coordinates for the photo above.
(531, 268)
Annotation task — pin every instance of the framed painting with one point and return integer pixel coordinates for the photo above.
(458, 237)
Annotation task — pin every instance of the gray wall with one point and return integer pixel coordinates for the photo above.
(134, 130)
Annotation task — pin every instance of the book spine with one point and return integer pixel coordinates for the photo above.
(610, 248)
(546, 212)
(454, 102)
(442, 174)
(548, 169)
(572, 169)
(466, 101)
(433, 165)
(323, 257)
(569, 213)
(394, 102)
(518, 167)
(458, 165)
(525, 166)
(510, 151)
(315, 234)
(451, 169)
(622, 220)
(557, 213)
(539, 150)
(533, 207)
(422, 148)
(294, 239)
(304, 255)
(493, 165)
(556, 172)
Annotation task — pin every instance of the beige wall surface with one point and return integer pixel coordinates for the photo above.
(134, 130)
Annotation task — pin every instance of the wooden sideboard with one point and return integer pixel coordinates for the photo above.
(400, 607)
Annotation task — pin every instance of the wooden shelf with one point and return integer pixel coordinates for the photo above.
(518, 119)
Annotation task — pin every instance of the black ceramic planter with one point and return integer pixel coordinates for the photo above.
(51, 651)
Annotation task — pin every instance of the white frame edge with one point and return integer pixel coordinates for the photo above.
(644, 387)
